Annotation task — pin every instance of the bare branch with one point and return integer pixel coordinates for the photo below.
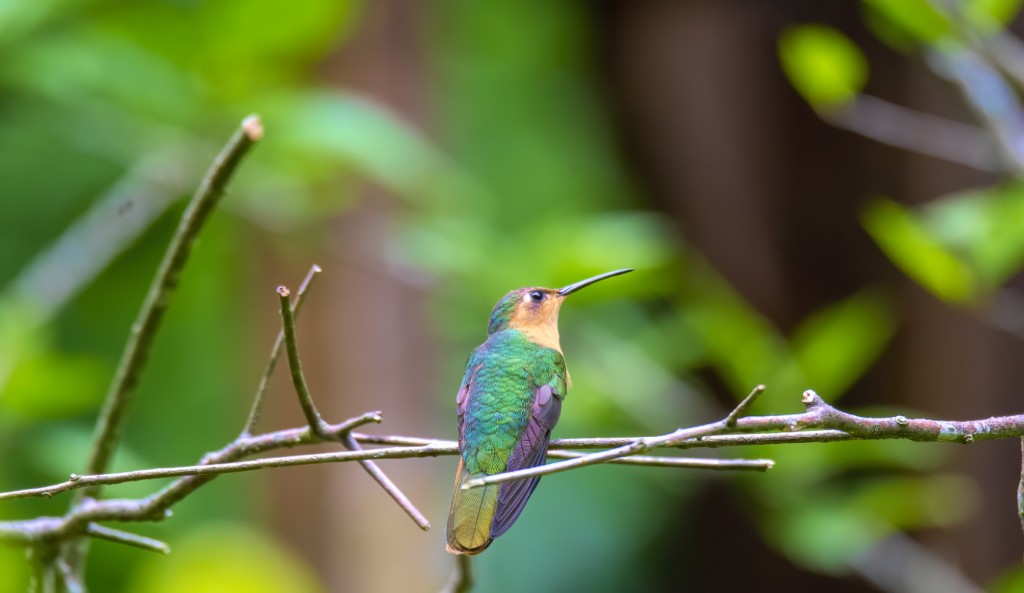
(839, 425)
(919, 132)
(385, 482)
(640, 445)
(424, 448)
(757, 465)
(741, 409)
(316, 423)
(319, 427)
(827, 424)
(133, 360)
(130, 539)
(155, 507)
(275, 353)
(72, 583)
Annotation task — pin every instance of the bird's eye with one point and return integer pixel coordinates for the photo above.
(536, 296)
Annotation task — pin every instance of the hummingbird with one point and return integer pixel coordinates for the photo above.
(508, 403)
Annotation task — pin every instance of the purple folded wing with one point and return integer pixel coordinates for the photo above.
(530, 451)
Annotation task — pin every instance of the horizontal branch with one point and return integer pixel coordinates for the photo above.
(421, 448)
(155, 506)
(641, 445)
(835, 424)
(822, 422)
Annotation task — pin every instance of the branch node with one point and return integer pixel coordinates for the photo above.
(902, 421)
(74, 477)
(810, 399)
(283, 291)
(968, 439)
(253, 127)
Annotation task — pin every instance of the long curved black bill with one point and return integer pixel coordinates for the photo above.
(578, 285)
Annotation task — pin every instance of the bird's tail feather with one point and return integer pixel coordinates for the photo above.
(471, 515)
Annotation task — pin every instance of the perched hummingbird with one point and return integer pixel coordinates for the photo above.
(509, 401)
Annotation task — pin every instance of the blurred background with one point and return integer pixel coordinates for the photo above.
(818, 195)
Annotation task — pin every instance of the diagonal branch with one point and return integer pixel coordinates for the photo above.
(133, 360)
(313, 419)
(124, 537)
(318, 426)
(275, 353)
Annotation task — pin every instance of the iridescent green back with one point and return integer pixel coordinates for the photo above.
(504, 374)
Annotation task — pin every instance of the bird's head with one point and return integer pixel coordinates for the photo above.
(534, 310)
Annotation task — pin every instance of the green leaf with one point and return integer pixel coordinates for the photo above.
(14, 568)
(917, 19)
(824, 534)
(914, 502)
(841, 521)
(991, 16)
(225, 558)
(822, 64)
(54, 385)
(915, 250)
(1012, 581)
(837, 344)
(984, 227)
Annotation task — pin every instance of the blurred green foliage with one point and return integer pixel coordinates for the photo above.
(962, 248)
(520, 184)
(823, 64)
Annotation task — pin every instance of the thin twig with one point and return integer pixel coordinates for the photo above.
(818, 414)
(557, 450)
(757, 465)
(275, 353)
(710, 442)
(215, 469)
(919, 132)
(313, 419)
(133, 360)
(741, 409)
(461, 580)
(155, 506)
(641, 445)
(72, 583)
(124, 537)
(318, 426)
(388, 485)
(424, 448)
